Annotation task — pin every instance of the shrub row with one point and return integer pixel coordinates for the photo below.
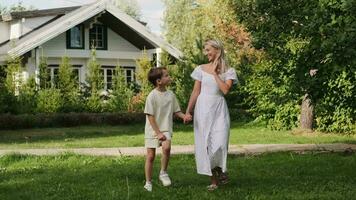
(8, 121)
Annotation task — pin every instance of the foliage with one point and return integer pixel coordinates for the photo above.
(48, 100)
(17, 7)
(301, 37)
(336, 113)
(41, 120)
(186, 22)
(95, 84)
(7, 100)
(182, 83)
(68, 87)
(138, 101)
(14, 76)
(26, 99)
(121, 94)
(44, 77)
(130, 7)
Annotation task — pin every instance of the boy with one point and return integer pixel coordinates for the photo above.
(160, 106)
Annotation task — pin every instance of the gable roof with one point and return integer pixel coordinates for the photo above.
(39, 13)
(77, 16)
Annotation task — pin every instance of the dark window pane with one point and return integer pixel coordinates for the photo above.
(76, 74)
(109, 79)
(97, 37)
(76, 39)
(128, 73)
(109, 86)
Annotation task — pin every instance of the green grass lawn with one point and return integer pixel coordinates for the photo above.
(132, 135)
(267, 176)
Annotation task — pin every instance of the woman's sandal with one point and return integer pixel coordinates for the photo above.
(212, 187)
(223, 178)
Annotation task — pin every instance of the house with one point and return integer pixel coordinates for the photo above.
(72, 31)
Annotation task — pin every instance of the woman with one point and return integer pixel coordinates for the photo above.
(211, 116)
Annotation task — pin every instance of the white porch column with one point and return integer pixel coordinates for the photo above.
(37, 64)
(158, 57)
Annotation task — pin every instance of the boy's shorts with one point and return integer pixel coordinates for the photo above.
(155, 143)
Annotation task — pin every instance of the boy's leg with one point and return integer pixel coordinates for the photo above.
(150, 157)
(166, 152)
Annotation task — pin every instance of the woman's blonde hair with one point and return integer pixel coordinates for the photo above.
(222, 62)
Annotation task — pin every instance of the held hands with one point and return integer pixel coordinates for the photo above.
(187, 118)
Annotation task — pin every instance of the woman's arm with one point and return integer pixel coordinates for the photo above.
(193, 96)
(224, 86)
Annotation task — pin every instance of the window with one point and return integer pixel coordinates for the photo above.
(53, 72)
(108, 73)
(98, 37)
(75, 37)
(129, 72)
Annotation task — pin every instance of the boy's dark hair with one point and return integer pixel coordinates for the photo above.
(155, 73)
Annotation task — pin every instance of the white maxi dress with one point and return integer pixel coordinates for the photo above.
(211, 122)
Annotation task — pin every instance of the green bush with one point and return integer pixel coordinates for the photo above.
(121, 94)
(27, 97)
(309, 49)
(70, 94)
(8, 121)
(336, 111)
(48, 100)
(7, 101)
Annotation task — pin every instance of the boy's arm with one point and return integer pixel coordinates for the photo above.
(179, 114)
(154, 125)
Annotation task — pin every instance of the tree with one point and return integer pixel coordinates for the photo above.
(44, 77)
(308, 44)
(144, 65)
(95, 84)
(68, 87)
(121, 94)
(15, 8)
(13, 75)
(188, 21)
(130, 7)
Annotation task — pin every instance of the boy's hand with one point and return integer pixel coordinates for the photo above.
(187, 118)
(161, 136)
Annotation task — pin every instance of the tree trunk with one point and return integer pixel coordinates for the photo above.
(307, 113)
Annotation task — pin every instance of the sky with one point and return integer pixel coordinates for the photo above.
(151, 10)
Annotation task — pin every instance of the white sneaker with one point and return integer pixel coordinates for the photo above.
(164, 178)
(148, 187)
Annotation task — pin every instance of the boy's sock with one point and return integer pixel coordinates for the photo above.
(164, 178)
(148, 186)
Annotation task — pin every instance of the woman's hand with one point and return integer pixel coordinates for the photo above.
(187, 118)
(216, 64)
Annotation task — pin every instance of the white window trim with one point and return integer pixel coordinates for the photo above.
(52, 67)
(125, 68)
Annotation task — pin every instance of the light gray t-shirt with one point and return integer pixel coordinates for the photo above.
(162, 105)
